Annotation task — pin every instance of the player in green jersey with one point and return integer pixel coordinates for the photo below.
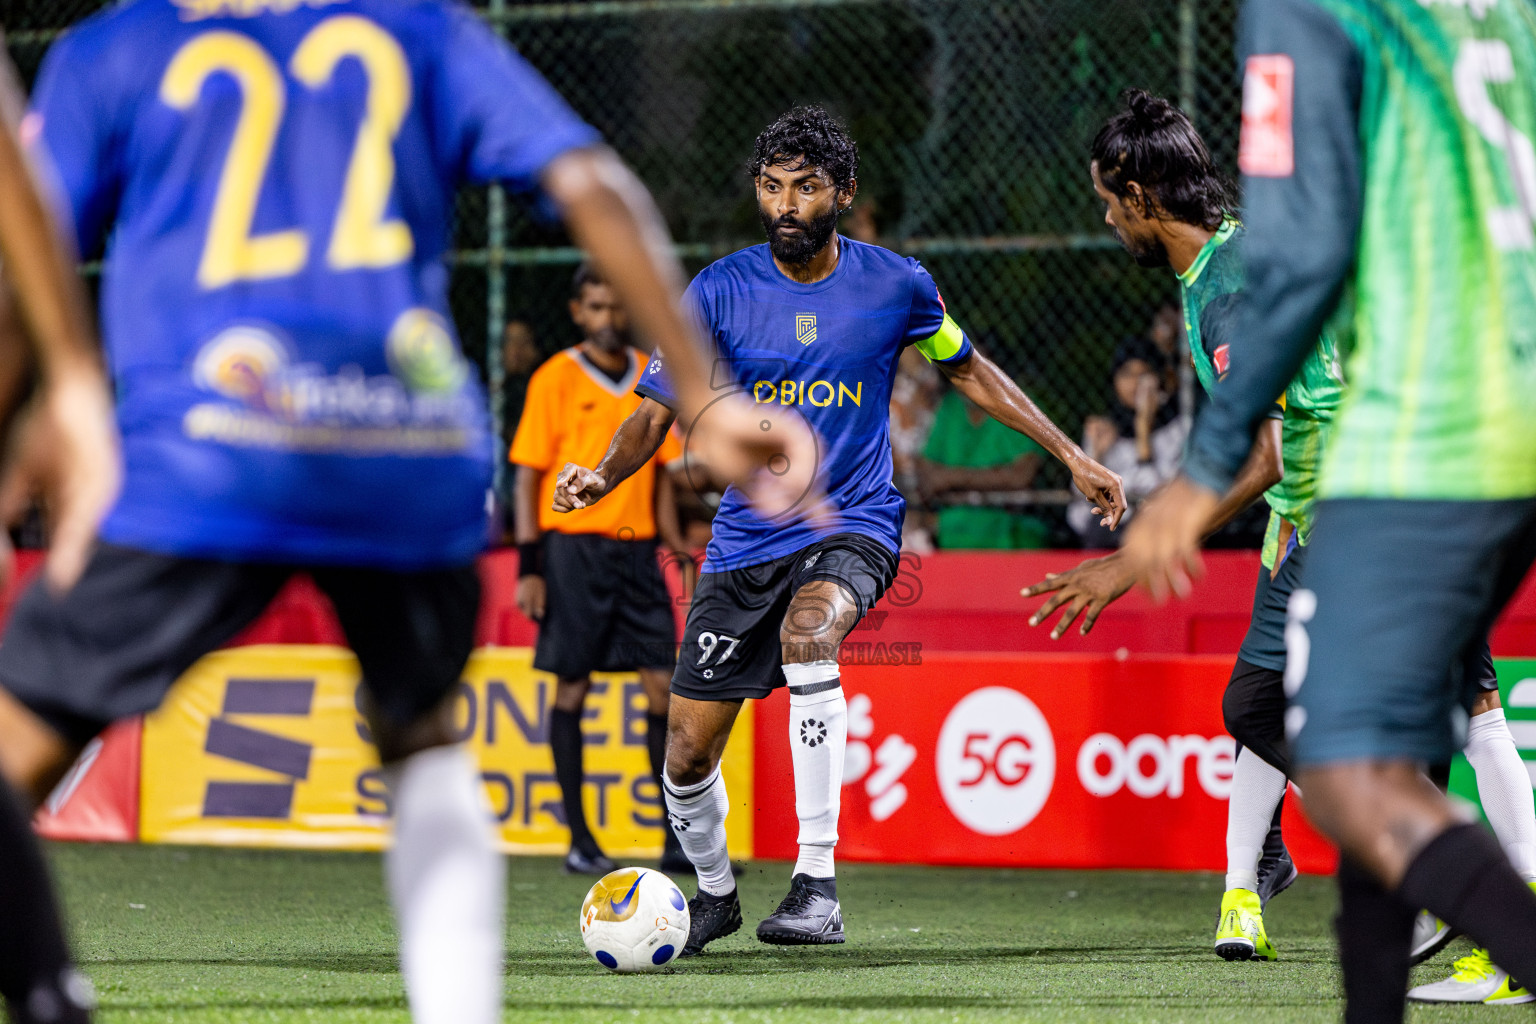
(1387, 149)
(1170, 207)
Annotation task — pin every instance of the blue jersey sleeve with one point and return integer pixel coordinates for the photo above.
(71, 133)
(655, 384)
(929, 325)
(504, 121)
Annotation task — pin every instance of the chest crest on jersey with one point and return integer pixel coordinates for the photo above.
(805, 328)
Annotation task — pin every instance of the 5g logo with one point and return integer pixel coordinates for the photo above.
(1009, 761)
(996, 761)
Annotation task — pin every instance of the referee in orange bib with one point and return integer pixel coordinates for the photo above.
(590, 578)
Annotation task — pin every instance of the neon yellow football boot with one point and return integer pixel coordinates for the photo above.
(1240, 931)
(1477, 980)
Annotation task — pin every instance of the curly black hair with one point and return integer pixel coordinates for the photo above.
(1152, 143)
(807, 137)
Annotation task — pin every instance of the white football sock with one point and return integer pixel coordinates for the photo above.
(818, 742)
(447, 881)
(1257, 788)
(1504, 788)
(698, 814)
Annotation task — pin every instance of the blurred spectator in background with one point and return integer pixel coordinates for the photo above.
(1165, 331)
(1141, 436)
(590, 578)
(969, 451)
(914, 400)
(520, 356)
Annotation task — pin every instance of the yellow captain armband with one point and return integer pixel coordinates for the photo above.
(946, 343)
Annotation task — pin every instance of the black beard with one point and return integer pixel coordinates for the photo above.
(798, 250)
(1150, 254)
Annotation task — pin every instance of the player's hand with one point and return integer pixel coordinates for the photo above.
(768, 453)
(1103, 488)
(577, 487)
(65, 454)
(1086, 590)
(530, 597)
(1162, 548)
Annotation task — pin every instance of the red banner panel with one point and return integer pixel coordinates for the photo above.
(1080, 761)
(98, 801)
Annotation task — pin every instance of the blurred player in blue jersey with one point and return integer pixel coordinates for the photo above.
(813, 321)
(273, 181)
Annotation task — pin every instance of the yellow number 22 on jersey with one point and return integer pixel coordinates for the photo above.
(361, 237)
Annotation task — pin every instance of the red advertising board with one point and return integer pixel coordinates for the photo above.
(1026, 760)
(98, 801)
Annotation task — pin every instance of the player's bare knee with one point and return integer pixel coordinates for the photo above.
(821, 614)
(688, 764)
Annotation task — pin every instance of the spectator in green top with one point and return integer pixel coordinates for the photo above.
(968, 451)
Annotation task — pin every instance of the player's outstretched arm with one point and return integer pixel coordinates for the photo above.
(980, 380)
(636, 442)
(66, 448)
(1098, 582)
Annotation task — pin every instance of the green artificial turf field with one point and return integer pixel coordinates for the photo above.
(188, 934)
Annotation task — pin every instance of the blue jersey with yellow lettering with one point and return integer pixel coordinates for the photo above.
(829, 350)
(274, 180)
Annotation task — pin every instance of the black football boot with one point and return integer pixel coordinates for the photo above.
(711, 918)
(809, 916)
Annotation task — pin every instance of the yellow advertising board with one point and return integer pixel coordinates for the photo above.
(264, 746)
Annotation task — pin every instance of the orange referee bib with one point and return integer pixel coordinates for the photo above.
(571, 413)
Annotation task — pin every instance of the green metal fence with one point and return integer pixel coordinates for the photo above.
(973, 119)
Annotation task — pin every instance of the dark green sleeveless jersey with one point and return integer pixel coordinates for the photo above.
(1388, 150)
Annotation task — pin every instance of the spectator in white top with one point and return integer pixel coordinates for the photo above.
(1141, 436)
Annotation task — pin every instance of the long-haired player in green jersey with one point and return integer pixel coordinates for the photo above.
(1169, 206)
(1387, 150)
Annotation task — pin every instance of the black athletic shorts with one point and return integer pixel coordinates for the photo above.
(114, 644)
(731, 648)
(606, 607)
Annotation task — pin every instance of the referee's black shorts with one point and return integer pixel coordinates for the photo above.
(606, 607)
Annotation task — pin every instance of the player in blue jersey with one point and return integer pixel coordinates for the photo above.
(273, 181)
(816, 322)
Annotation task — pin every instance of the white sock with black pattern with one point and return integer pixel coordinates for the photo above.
(697, 814)
(818, 742)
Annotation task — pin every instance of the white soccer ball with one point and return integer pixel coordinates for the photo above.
(634, 919)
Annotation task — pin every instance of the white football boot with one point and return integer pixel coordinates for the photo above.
(1477, 980)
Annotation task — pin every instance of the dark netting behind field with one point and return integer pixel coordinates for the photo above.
(973, 119)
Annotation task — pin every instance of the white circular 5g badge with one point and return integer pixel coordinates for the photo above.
(996, 761)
